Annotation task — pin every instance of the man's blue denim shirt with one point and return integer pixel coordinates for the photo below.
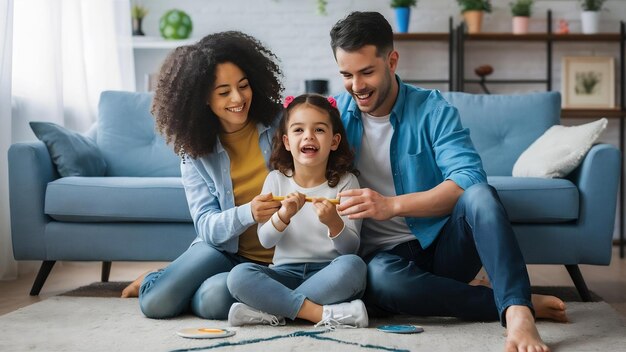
(209, 192)
(429, 145)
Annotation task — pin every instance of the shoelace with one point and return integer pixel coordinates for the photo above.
(274, 321)
(265, 317)
(332, 323)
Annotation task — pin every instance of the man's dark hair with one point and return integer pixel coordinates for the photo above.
(188, 74)
(359, 29)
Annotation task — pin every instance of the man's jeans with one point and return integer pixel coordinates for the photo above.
(196, 280)
(433, 281)
(281, 290)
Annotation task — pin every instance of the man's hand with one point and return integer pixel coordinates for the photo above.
(365, 203)
(327, 213)
(292, 203)
(263, 207)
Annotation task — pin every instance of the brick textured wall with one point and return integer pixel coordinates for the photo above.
(299, 37)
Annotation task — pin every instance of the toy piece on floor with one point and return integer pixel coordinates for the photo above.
(400, 329)
(205, 333)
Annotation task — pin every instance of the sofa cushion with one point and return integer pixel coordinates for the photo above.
(72, 153)
(558, 151)
(537, 200)
(503, 126)
(117, 199)
(127, 137)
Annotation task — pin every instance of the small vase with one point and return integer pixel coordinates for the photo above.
(520, 24)
(473, 20)
(319, 86)
(403, 15)
(137, 26)
(590, 20)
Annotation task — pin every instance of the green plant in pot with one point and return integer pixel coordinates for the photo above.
(521, 11)
(137, 13)
(403, 13)
(472, 11)
(590, 16)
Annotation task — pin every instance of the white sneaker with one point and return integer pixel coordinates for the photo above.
(344, 315)
(242, 314)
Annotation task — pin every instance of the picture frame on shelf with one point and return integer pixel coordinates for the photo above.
(588, 82)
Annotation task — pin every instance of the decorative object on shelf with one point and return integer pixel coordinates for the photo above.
(521, 11)
(563, 27)
(403, 13)
(175, 24)
(319, 86)
(588, 82)
(472, 11)
(321, 7)
(590, 17)
(482, 72)
(137, 13)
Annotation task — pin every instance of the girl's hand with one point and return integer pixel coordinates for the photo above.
(327, 213)
(263, 207)
(292, 203)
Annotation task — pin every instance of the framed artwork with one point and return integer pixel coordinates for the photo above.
(588, 82)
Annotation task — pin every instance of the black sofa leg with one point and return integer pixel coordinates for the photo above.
(106, 270)
(42, 275)
(579, 282)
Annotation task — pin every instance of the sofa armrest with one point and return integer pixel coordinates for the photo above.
(597, 179)
(30, 171)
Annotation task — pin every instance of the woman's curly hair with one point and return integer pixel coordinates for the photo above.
(340, 161)
(188, 75)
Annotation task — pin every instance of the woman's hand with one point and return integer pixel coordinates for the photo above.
(327, 213)
(292, 203)
(263, 207)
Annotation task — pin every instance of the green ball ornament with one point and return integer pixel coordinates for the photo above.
(175, 24)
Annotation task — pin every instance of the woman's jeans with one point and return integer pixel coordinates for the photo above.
(196, 280)
(282, 289)
(433, 281)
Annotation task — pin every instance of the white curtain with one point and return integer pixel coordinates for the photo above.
(8, 267)
(65, 53)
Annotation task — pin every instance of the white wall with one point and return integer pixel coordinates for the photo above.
(300, 38)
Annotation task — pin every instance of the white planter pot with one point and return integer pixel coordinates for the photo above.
(590, 20)
(520, 25)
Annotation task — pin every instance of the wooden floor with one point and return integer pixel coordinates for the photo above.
(609, 282)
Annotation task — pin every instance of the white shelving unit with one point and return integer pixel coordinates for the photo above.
(142, 42)
(149, 53)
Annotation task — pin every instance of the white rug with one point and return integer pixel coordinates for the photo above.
(113, 324)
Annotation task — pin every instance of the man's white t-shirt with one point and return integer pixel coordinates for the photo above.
(374, 165)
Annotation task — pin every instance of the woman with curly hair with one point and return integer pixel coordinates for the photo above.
(315, 268)
(217, 102)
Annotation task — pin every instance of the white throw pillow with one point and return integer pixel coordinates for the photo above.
(558, 151)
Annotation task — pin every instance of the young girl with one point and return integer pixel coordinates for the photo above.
(314, 268)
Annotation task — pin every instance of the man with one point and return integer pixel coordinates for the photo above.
(431, 220)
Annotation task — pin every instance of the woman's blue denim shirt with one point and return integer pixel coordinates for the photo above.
(209, 191)
(428, 146)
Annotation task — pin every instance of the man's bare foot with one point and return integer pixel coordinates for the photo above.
(549, 307)
(132, 290)
(522, 334)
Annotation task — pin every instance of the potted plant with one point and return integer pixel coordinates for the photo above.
(521, 11)
(403, 13)
(590, 17)
(472, 11)
(137, 13)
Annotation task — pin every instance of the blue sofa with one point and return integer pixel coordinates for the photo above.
(138, 210)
